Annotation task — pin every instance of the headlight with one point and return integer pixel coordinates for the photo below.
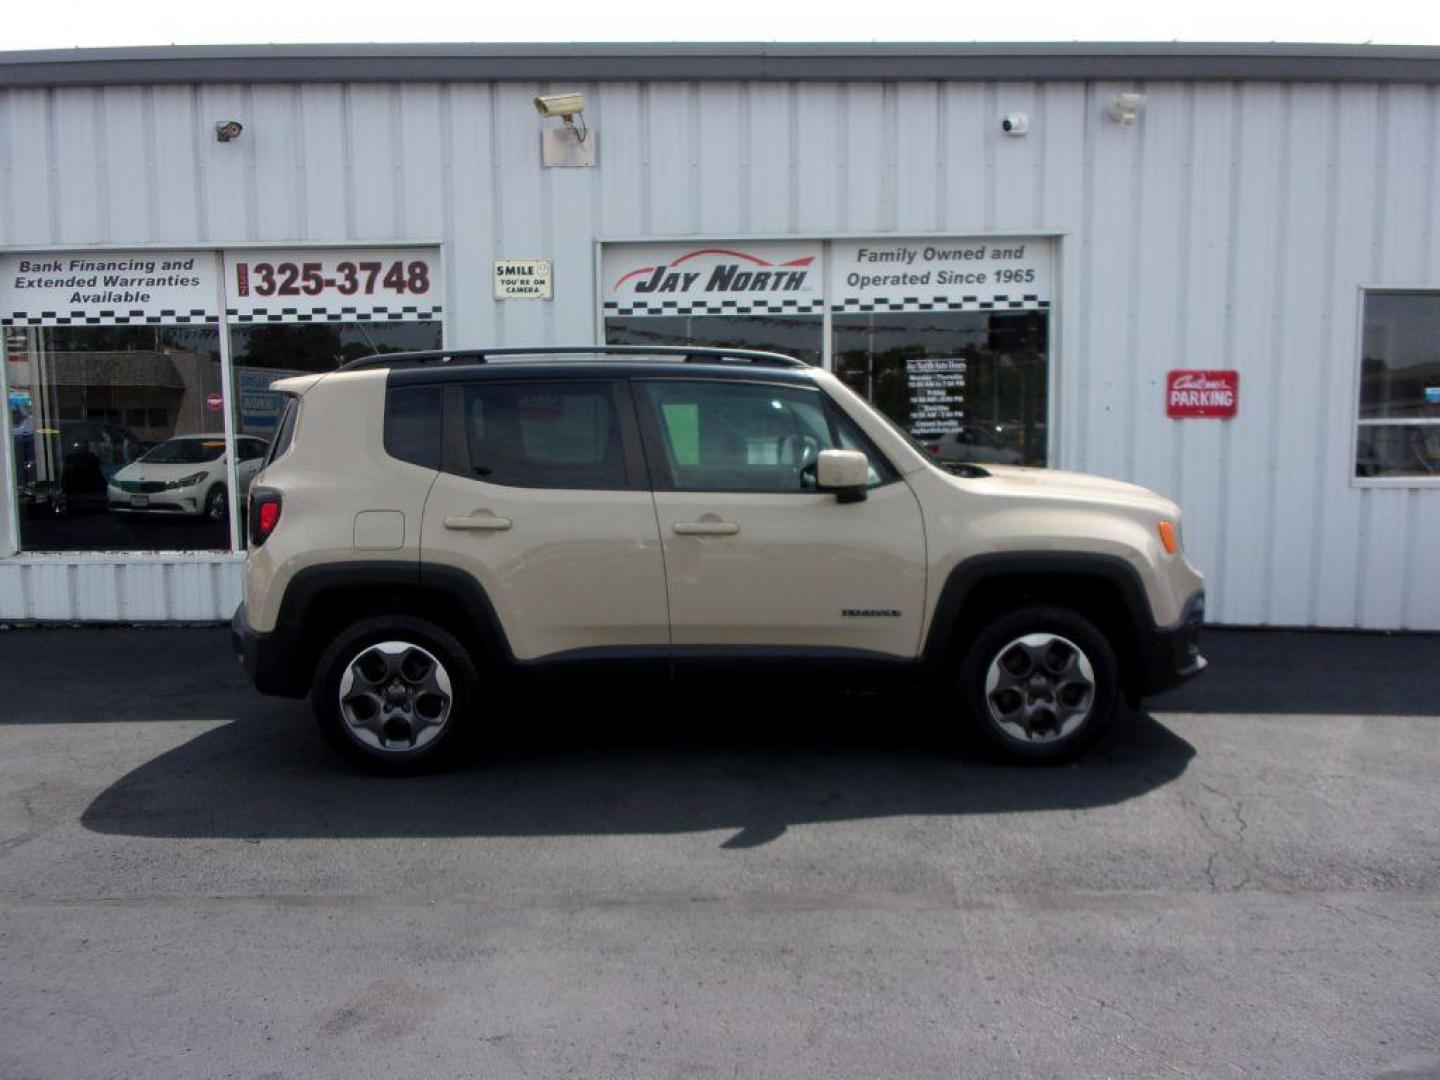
(186, 481)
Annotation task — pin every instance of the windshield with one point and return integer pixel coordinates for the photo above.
(185, 452)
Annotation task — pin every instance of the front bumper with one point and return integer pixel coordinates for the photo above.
(1171, 654)
(271, 660)
(179, 501)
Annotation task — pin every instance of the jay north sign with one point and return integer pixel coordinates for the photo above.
(781, 278)
(740, 272)
(726, 278)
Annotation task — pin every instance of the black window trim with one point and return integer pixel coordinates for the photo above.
(455, 445)
(654, 439)
(284, 436)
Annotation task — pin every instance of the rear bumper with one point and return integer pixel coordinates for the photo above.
(1171, 655)
(271, 660)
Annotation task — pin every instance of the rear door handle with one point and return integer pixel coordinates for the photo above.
(706, 528)
(478, 522)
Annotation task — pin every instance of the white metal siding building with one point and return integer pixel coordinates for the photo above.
(1239, 223)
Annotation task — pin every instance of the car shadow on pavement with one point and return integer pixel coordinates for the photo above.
(267, 774)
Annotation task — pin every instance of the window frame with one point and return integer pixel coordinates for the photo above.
(455, 442)
(1357, 386)
(655, 441)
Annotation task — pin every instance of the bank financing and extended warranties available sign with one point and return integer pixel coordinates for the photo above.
(333, 285)
(1207, 395)
(109, 288)
(700, 278)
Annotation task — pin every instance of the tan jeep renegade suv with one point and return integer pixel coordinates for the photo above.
(430, 527)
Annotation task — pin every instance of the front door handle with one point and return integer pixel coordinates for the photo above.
(706, 528)
(478, 522)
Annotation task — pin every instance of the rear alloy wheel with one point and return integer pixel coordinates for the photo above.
(1041, 682)
(394, 695)
(392, 692)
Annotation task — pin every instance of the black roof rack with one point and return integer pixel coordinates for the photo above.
(696, 355)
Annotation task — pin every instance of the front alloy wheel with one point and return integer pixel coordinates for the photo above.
(1040, 687)
(1040, 682)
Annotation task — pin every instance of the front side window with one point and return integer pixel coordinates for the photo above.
(545, 435)
(736, 436)
(1399, 409)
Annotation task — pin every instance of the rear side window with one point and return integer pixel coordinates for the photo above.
(285, 431)
(412, 425)
(545, 435)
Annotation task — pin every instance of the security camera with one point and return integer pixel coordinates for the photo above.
(561, 105)
(1126, 108)
(228, 130)
(1015, 123)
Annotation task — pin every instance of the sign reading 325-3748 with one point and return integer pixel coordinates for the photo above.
(333, 285)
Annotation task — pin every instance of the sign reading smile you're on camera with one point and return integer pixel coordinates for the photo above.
(522, 279)
(109, 288)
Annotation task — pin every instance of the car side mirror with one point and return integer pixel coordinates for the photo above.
(845, 472)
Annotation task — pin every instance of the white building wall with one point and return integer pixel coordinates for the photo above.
(1231, 227)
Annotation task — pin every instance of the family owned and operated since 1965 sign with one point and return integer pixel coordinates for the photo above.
(978, 274)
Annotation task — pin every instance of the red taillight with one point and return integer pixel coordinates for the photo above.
(264, 515)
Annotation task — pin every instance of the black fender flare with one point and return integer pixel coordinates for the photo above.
(289, 651)
(946, 627)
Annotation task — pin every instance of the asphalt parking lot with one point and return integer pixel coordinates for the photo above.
(1242, 881)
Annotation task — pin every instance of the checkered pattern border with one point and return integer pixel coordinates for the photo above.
(131, 317)
(785, 306)
(376, 313)
(856, 304)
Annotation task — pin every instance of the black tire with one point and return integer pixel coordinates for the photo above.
(215, 504)
(994, 641)
(352, 642)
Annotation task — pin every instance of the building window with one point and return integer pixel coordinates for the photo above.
(1399, 411)
(259, 355)
(948, 336)
(970, 386)
(118, 438)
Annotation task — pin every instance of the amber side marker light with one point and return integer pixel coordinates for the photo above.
(1167, 537)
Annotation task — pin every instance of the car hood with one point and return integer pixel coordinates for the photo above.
(1055, 483)
(149, 470)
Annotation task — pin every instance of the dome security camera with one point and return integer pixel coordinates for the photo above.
(1017, 123)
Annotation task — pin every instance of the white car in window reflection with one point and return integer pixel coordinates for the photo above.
(972, 444)
(185, 476)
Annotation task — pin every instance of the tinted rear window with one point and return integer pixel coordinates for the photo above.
(545, 434)
(412, 425)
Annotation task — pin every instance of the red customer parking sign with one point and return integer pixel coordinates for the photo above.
(1211, 395)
